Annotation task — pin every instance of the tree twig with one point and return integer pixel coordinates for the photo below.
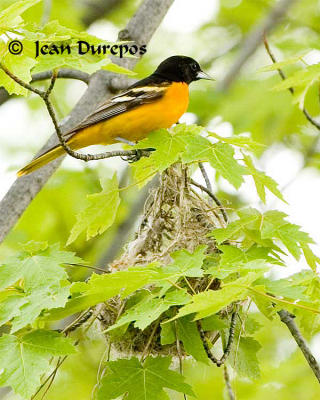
(77, 322)
(291, 89)
(313, 147)
(253, 40)
(63, 73)
(205, 176)
(288, 320)
(146, 349)
(227, 349)
(179, 353)
(210, 194)
(228, 383)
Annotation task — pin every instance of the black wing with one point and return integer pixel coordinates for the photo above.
(135, 96)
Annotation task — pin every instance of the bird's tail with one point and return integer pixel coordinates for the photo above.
(42, 160)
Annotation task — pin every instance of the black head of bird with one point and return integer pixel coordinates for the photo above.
(180, 69)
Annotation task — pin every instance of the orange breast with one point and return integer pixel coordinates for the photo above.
(135, 125)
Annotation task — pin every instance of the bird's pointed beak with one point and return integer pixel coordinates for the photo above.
(204, 75)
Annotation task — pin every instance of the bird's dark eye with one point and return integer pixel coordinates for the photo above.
(193, 67)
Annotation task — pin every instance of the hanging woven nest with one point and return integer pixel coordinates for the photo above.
(175, 217)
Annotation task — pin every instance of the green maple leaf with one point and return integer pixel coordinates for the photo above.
(249, 219)
(19, 65)
(239, 141)
(244, 358)
(151, 308)
(262, 181)
(284, 288)
(10, 307)
(302, 77)
(41, 299)
(187, 264)
(212, 301)
(312, 259)
(188, 333)
(86, 63)
(168, 334)
(141, 381)
(10, 17)
(168, 145)
(39, 271)
(274, 226)
(264, 305)
(214, 323)
(143, 171)
(103, 287)
(25, 359)
(100, 213)
(234, 257)
(219, 155)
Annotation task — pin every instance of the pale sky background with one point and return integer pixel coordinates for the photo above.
(31, 129)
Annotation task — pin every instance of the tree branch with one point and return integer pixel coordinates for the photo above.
(228, 383)
(291, 89)
(288, 319)
(63, 73)
(253, 40)
(140, 29)
(227, 349)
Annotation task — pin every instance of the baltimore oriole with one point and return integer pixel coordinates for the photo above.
(155, 102)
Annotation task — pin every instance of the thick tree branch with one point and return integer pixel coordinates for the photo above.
(253, 40)
(288, 319)
(140, 29)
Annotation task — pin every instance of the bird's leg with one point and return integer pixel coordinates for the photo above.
(138, 152)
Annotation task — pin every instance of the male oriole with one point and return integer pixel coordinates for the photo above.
(155, 102)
